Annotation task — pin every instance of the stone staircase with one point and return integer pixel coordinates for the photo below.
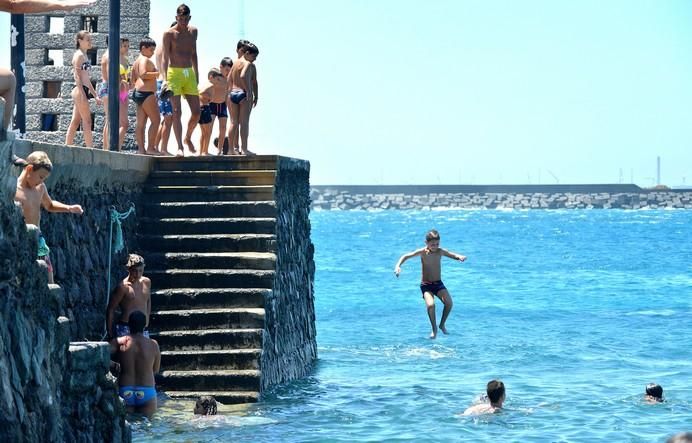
(207, 230)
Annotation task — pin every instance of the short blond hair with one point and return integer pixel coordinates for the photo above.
(38, 160)
(134, 261)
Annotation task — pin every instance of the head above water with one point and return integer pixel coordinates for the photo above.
(495, 391)
(136, 322)
(683, 437)
(655, 391)
(205, 405)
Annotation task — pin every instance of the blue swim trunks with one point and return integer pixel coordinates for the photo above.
(137, 395)
(122, 329)
(102, 89)
(237, 95)
(165, 106)
(432, 286)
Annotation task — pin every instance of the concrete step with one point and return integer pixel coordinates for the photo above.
(212, 260)
(225, 380)
(209, 243)
(192, 226)
(185, 298)
(209, 178)
(210, 339)
(213, 360)
(214, 193)
(200, 319)
(224, 397)
(202, 209)
(210, 278)
(225, 163)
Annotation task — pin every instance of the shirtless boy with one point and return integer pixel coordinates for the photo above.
(213, 100)
(496, 396)
(243, 97)
(165, 106)
(431, 280)
(32, 193)
(179, 66)
(140, 359)
(225, 67)
(144, 74)
(132, 294)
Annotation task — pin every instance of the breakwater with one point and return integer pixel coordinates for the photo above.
(497, 197)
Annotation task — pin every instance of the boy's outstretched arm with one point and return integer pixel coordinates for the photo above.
(51, 205)
(453, 255)
(397, 268)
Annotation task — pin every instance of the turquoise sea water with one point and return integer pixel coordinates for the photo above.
(576, 311)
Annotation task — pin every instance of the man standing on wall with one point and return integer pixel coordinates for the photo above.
(179, 67)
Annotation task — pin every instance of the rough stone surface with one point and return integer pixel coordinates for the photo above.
(38, 382)
(343, 198)
(134, 25)
(290, 346)
(96, 180)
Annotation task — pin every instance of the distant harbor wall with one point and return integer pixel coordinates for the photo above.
(497, 197)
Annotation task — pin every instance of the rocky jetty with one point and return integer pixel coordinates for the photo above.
(519, 197)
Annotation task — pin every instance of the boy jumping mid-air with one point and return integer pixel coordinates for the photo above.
(431, 279)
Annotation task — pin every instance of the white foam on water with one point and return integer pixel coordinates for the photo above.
(654, 313)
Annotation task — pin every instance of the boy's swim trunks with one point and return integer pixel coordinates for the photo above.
(432, 286)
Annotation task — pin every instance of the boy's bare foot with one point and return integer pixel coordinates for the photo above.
(433, 335)
(443, 328)
(246, 152)
(181, 153)
(151, 152)
(190, 146)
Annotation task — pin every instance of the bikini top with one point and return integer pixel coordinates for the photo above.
(86, 66)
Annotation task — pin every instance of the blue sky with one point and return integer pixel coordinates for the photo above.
(452, 91)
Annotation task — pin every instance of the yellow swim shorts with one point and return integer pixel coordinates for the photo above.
(182, 81)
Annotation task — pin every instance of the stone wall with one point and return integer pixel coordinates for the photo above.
(96, 180)
(508, 197)
(38, 376)
(134, 24)
(290, 347)
(92, 410)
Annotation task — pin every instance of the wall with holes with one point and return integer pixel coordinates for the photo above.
(50, 45)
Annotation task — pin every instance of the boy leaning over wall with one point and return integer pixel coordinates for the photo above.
(32, 194)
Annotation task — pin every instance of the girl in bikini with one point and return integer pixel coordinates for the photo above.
(82, 92)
